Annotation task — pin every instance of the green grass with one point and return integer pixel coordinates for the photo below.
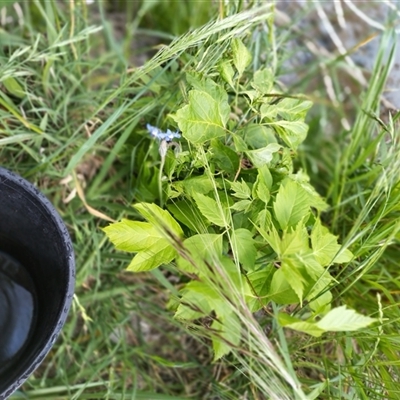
(72, 113)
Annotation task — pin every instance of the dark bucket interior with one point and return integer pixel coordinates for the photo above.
(33, 234)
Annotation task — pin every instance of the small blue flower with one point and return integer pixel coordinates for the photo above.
(158, 134)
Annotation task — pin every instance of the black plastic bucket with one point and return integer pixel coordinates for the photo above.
(37, 275)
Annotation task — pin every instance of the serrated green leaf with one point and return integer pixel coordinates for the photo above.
(264, 219)
(151, 240)
(260, 282)
(152, 248)
(262, 191)
(272, 237)
(240, 144)
(159, 218)
(325, 246)
(291, 204)
(161, 252)
(185, 212)
(258, 136)
(292, 133)
(322, 304)
(216, 214)
(225, 158)
(263, 81)
(228, 328)
(294, 241)
(198, 184)
(227, 72)
(262, 157)
(242, 205)
(240, 55)
(201, 248)
(293, 272)
(132, 236)
(343, 319)
(280, 291)
(241, 189)
(264, 175)
(198, 82)
(316, 201)
(251, 94)
(243, 246)
(293, 109)
(269, 112)
(205, 117)
(195, 301)
(289, 109)
(299, 325)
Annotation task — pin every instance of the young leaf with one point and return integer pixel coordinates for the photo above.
(226, 159)
(322, 304)
(269, 112)
(263, 81)
(200, 248)
(205, 116)
(260, 282)
(209, 208)
(292, 133)
(149, 242)
(227, 72)
(316, 201)
(339, 319)
(325, 246)
(198, 82)
(160, 252)
(293, 271)
(240, 144)
(159, 218)
(131, 236)
(241, 56)
(264, 175)
(293, 109)
(228, 328)
(299, 325)
(280, 291)
(242, 205)
(295, 241)
(243, 247)
(342, 319)
(241, 190)
(198, 184)
(258, 136)
(195, 301)
(185, 212)
(291, 204)
(264, 219)
(272, 237)
(262, 157)
(262, 191)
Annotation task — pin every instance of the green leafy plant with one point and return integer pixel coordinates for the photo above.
(240, 221)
